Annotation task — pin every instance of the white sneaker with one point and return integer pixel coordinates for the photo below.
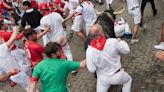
(144, 26)
(74, 72)
(160, 46)
(68, 84)
(134, 41)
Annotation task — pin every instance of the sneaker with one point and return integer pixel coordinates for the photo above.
(144, 25)
(68, 84)
(74, 72)
(160, 46)
(134, 41)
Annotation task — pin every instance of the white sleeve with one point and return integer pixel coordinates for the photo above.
(5, 49)
(42, 24)
(79, 9)
(122, 47)
(61, 18)
(90, 61)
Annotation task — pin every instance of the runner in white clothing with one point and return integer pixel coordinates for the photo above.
(56, 23)
(71, 5)
(8, 62)
(134, 10)
(88, 12)
(103, 57)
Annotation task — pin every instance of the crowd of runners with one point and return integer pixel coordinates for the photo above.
(46, 56)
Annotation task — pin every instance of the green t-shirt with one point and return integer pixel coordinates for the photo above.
(53, 74)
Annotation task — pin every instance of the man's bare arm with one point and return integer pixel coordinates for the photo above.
(13, 37)
(70, 16)
(83, 63)
(33, 86)
(46, 29)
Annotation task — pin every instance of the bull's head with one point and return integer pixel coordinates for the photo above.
(106, 20)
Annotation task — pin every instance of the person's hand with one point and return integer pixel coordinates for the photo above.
(119, 39)
(160, 55)
(46, 28)
(14, 71)
(16, 29)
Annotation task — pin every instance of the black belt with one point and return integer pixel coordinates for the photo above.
(117, 70)
(134, 8)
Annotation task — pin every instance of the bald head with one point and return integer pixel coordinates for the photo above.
(96, 30)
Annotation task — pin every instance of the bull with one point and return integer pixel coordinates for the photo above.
(106, 20)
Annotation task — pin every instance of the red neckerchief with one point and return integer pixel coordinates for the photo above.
(98, 43)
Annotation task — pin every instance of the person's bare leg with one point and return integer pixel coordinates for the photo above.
(162, 33)
(161, 45)
(135, 31)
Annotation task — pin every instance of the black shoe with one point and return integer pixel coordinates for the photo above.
(140, 24)
(101, 3)
(155, 13)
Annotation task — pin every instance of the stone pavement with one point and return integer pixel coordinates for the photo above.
(147, 72)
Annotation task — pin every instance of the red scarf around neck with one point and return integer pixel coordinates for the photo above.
(98, 43)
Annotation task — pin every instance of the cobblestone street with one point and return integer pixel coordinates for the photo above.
(147, 72)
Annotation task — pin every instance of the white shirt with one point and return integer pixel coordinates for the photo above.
(7, 61)
(54, 20)
(106, 61)
(88, 13)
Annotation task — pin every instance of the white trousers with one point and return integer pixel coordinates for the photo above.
(66, 48)
(104, 82)
(21, 79)
(67, 52)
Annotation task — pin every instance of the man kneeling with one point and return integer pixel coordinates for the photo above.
(103, 57)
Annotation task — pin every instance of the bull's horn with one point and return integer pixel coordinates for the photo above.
(121, 11)
(97, 12)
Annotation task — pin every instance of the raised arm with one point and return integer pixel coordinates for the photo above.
(59, 8)
(8, 7)
(45, 30)
(70, 16)
(13, 37)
